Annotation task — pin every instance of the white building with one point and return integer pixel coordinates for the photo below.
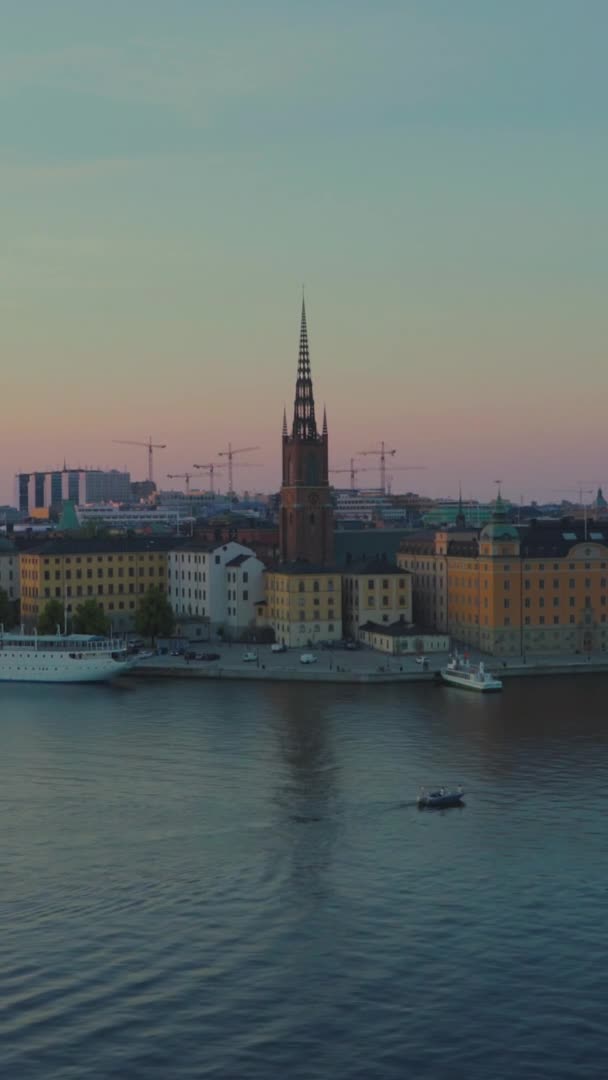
(9, 569)
(214, 585)
(244, 588)
(134, 517)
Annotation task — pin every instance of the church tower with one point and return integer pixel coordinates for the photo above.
(306, 521)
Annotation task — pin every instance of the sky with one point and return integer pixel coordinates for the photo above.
(435, 173)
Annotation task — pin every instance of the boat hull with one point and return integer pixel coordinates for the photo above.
(489, 686)
(439, 802)
(60, 668)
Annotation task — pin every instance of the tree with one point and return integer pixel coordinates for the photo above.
(51, 616)
(6, 609)
(89, 618)
(154, 617)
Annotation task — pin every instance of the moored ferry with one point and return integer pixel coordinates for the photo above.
(459, 672)
(56, 658)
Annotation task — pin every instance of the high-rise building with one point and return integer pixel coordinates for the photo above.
(306, 517)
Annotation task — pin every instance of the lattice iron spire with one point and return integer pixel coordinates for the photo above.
(304, 423)
(324, 420)
(284, 431)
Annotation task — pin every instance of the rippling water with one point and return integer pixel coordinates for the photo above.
(216, 880)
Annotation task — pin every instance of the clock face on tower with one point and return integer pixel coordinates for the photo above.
(313, 499)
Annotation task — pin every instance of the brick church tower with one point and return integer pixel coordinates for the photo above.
(306, 521)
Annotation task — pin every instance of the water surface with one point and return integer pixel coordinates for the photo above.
(231, 880)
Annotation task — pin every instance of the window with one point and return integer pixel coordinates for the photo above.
(571, 583)
(571, 620)
(300, 586)
(507, 621)
(571, 601)
(541, 602)
(245, 594)
(315, 586)
(527, 602)
(527, 620)
(527, 583)
(245, 576)
(556, 620)
(556, 583)
(556, 601)
(541, 620)
(541, 583)
(507, 585)
(507, 603)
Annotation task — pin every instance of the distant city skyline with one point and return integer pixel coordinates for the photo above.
(434, 172)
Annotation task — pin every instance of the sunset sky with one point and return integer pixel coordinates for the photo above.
(435, 172)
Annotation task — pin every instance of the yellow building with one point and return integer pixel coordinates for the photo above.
(541, 587)
(303, 605)
(114, 572)
(375, 591)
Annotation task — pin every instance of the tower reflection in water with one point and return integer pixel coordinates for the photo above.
(306, 790)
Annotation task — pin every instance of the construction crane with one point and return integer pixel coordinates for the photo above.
(384, 453)
(181, 476)
(229, 453)
(211, 466)
(150, 447)
(354, 471)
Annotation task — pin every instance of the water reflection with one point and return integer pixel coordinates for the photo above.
(305, 794)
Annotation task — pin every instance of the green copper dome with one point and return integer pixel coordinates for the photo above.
(499, 528)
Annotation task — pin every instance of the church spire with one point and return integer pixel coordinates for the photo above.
(284, 431)
(325, 421)
(304, 423)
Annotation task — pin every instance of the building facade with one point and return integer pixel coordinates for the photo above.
(512, 590)
(116, 573)
(303, 605)
(401, 639)
(215, 586)
(9, 570)
(375, 592)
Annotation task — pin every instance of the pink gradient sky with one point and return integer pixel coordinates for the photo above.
(435, 173)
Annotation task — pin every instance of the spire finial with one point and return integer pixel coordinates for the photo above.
(304, 423)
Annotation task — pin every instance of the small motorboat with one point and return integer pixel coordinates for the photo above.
(440, 798)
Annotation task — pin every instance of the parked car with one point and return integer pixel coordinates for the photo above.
(278, 647)
(189, 655)
(208, 656)
(308, 658)
(250, 656)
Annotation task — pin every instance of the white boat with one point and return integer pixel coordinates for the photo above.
(458, 672)
(56, 658)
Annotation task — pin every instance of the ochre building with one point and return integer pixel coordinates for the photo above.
(115, 572)
(513, 590)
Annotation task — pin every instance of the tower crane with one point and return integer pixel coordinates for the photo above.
(150, 448)
(210, 467)
(181, 476)
(383, 453)
(353, 470)
(230, 453)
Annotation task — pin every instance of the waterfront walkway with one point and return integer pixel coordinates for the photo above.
(344, 666)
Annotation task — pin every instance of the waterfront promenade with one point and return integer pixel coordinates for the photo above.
(344, 666)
